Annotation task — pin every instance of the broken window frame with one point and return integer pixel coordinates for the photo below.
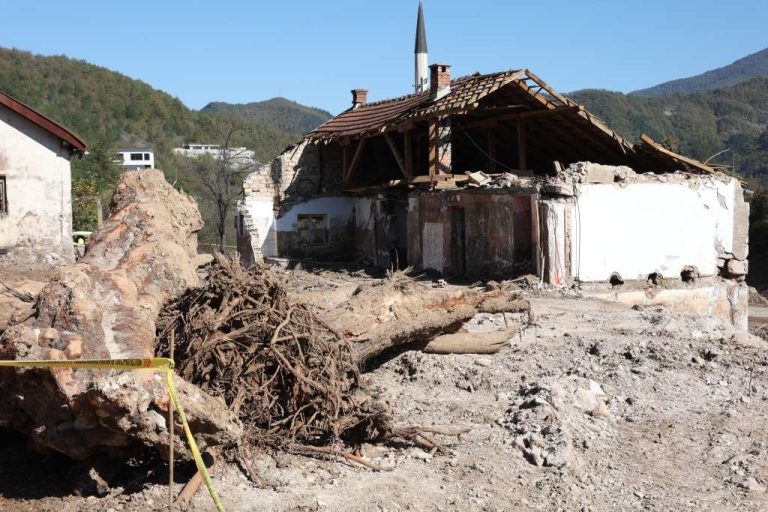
(312, 230)
(3, 195)
(240, 225)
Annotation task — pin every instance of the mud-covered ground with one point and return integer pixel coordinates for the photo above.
(597, 407)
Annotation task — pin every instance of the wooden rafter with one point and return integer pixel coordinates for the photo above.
(408, 143)
(521, 147)
(680, 158)
(492, 121)
(433, 130)
(396, 154)
(355, 159)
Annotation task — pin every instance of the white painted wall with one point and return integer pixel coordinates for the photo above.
(553, 214)
(365, 216)
(39, 184)
(339, 210)
(651, 227)
(264, 227)
(260, 220)
(432, 246)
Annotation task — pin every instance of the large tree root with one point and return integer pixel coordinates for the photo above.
(292, 378)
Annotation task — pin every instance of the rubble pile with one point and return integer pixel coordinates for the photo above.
(548, 416)
(290, 372)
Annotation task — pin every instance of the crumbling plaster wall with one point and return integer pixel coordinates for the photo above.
(289, 185)
(498, 233)
(339, 214)
(676, 239)
(644, 228)
(38, 179)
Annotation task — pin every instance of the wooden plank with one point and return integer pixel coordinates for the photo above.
(433, 129)
(492, 121)
(355, 159)
(408, 154)
(521, 143)
(396, 154)
(549, 89)
(688, 161)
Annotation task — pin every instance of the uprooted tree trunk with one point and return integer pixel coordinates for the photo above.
(105, 306)
(292, 376)
(400, 312)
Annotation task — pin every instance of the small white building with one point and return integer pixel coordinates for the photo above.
(241, 155)
(35, 180)
(136, 158)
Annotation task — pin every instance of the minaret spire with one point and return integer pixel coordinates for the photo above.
(422, 75)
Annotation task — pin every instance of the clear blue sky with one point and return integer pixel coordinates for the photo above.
(315, 51)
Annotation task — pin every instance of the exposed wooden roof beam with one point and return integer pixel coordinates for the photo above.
(396, 154)
(491, 121)
(685, 160)
(355, 159)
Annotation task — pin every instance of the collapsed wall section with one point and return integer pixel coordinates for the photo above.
(293, 206)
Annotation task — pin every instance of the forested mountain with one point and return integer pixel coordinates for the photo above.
(109, 109)
(701, 124)
(278, 113)
(103, 105)
(698, 125)
(751, 66)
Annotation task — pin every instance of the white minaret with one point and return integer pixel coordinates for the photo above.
(422, 72)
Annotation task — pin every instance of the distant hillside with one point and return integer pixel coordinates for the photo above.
(109, 109)
(100, 104)
(279, 113)
(751, 66)
(699, 124)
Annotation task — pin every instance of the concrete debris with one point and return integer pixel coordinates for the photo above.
(478, 179)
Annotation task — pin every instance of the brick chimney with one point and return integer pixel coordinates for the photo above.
(359, 97)
(439, 81)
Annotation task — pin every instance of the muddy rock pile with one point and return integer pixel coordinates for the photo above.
(550, 418)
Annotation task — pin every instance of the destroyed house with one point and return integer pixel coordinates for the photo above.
(498, 175)
(35, 180)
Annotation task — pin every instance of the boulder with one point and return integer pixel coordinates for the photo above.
(105, 307)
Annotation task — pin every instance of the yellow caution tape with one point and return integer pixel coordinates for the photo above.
(149, 363)
(192, 444)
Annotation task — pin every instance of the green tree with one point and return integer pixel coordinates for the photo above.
(94, 177)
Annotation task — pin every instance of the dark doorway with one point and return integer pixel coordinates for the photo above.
(458, 245)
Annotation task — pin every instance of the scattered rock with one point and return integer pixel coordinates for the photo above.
(752, 485)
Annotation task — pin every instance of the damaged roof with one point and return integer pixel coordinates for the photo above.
(524, 93)
(75, 143)
(371, 118)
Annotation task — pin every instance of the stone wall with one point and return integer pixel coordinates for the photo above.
(300, 174)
